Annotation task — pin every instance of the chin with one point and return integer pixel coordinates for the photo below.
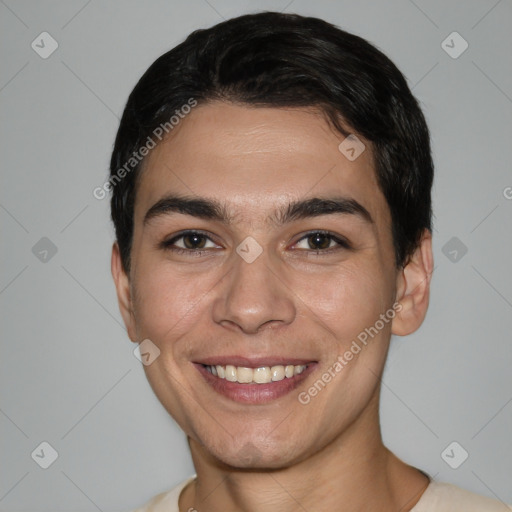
(252, 456)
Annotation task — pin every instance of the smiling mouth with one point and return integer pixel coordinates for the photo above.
(261, 375)
(254, 381)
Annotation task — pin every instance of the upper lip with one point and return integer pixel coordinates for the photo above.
(253, 362)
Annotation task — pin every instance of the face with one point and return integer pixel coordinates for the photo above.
(258, 244)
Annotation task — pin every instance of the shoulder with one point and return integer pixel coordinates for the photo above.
(443, 497)
(165, 501)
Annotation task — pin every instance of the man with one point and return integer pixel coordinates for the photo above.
(271, 182)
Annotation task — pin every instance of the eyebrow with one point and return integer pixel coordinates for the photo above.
(210, 209)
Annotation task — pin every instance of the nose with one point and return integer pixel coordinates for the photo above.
(254, 297)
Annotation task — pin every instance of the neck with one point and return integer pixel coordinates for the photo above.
(354, 472)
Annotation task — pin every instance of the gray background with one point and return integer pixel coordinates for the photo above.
(68, 373)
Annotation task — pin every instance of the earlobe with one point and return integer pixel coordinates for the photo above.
(413, 288)
(124, 299)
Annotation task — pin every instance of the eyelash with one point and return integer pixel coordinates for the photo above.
(168, 244)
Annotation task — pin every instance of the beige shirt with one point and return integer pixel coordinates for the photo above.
(438, 497)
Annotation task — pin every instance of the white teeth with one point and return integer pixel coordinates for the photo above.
(262, 375)
(231, 373)
(277, 372)
(297, 370)
(244, 375)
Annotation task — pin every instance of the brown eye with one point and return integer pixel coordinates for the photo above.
(189, 241)
(194, 241)
(322, 242)
(319, 241)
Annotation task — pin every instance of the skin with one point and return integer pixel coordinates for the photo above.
(291, 301)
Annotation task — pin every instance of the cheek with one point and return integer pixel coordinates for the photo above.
(348, 304)
(168, 303)
(168, 308)
(347, 300)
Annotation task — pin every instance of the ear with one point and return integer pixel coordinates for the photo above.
(124, 299)
(413, 288)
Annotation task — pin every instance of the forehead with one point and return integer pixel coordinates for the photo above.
(254, 159)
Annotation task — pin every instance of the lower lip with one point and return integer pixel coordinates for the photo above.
(254, 393)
